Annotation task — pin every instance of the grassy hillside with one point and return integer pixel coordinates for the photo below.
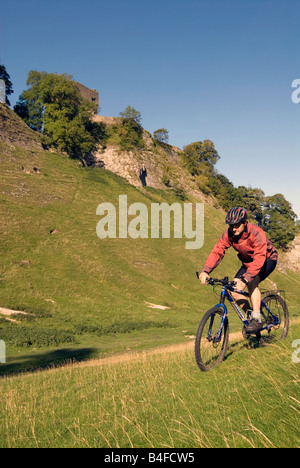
(14, 130)
(87, 291)
(86, 297)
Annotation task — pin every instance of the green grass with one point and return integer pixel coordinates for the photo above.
(158, 400)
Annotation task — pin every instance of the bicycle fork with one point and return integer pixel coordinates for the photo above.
(217, 338)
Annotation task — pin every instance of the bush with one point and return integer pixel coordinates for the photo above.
(26, 337)
(118, 327)
(128, 135)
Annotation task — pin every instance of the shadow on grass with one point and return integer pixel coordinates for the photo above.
(46, 360)
(250, 343)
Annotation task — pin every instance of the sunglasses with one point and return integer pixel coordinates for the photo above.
(235, 226)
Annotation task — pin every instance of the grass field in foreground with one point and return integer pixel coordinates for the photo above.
(160, 400)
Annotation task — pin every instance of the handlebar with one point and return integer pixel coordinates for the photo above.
(224, 281)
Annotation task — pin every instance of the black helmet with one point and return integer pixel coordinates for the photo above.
(236, 215)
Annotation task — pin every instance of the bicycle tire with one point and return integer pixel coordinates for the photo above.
(206, 358)
(282, 310)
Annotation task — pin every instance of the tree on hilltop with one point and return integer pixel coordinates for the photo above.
(162, 135)
(131, 113)
(279, 220)
(53, 106)
(253, 199)
(200, 156)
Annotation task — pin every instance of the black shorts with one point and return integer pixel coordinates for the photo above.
(266, 270)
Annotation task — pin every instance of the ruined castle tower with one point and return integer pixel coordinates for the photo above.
(91, 95)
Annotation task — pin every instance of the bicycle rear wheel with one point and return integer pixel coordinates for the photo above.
(210, 344)
(276, 315)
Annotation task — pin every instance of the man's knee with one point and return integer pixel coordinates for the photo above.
(253, 284)
(236, 295)
(241, 300)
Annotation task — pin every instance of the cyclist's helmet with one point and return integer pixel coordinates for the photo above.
(236, 215)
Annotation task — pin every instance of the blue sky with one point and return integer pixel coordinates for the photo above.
(203, 69)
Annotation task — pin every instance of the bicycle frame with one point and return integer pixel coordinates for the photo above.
(225, 294)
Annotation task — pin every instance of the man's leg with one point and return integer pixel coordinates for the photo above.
(241, 300)
(255, 296)
(254, 290)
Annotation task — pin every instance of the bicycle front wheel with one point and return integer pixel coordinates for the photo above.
(211, 339)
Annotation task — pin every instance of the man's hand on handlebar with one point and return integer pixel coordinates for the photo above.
(203, 277)
(239, 284)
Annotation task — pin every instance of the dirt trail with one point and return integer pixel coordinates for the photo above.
(8, 312)
(4, 311)
(132, 356)
(162, 350)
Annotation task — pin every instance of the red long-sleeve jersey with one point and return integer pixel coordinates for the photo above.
(252, 246)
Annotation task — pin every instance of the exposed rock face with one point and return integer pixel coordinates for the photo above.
(146, 167)
(126, 165)
(291, 259)
(139, 170)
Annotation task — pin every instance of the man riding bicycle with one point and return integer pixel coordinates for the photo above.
(258, 257)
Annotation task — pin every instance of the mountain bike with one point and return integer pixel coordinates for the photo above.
(213, 332)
